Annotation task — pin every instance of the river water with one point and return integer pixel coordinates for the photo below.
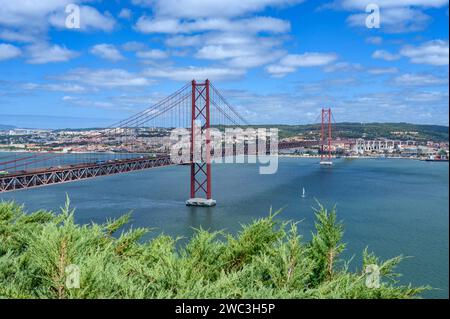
(392, 206)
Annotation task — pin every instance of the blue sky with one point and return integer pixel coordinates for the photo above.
(277, 61)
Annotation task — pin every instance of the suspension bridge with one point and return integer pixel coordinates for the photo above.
(142, 141)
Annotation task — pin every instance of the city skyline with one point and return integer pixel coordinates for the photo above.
(278, 61)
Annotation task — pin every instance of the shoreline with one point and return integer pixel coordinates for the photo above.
(279, 155)
(353, 157)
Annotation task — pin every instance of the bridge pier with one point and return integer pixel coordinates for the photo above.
(201, 202)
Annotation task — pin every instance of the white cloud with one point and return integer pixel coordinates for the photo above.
(107, 51)
(90, 19)
(308, 59)
(395, 16)
(394, 20)
(31, 17)
(343, 67)
(152, 54)
(374, 40)
(83, 102)
(185, 41)
(125, 13)
(428, 96)
(174, 26)
(57, 87)
(14, 36)
(411, 79)
(198, 73)
(193, 9)
(220, 52)
(385, 55)
(29, 13)
(41, 53)
(362, 4)
(227, 32)
(133, 46)
(108, 78)
(434, 52)
(291, 62)
(381, 71)
(8, 51)
(243, 52)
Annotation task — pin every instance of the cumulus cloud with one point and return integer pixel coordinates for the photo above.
(362, 4)
(134, 46)
(174, 26)
(343, 67)
(31, 17)
(107, 51)
(394, 20)
(8, 51)
(434, 52)
(241, 51)
(90, 19)
(41, 53)
(229, 33)
(193, 9)
(199, 73)
(385, 55)
(291, 62)
(374, 40)
(396, 16)
(125, 13)
(381, 71)
(152, 54)
(15, 36)
(412, 79)
(105, 78)
(56, 87)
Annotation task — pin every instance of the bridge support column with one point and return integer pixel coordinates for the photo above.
(325, 159)
(200, 163)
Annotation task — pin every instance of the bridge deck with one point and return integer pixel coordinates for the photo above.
(64, 174)
(70, 173)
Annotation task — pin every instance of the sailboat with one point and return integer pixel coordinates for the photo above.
(303, 193)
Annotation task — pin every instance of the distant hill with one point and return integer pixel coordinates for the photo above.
(399, 131)
(6, 127)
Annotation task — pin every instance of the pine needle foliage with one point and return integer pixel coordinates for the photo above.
(266, 259)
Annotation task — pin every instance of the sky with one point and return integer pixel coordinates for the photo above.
(276, 61)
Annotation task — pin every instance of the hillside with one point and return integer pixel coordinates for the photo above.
(399, 131)
(6, 127)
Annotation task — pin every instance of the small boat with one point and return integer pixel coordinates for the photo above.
(303, 193)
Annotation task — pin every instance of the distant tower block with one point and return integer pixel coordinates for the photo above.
(200, 171)
(325, 136)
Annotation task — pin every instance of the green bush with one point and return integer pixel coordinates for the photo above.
(266, 259)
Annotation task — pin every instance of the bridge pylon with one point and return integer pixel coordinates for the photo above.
(325, 137)
(200, 194)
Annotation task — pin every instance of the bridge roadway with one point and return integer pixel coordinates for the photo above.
(63, 174)
(70, 173)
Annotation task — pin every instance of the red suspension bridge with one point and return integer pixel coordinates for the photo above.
(142, 141)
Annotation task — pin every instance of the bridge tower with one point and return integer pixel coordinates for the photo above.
(325, 136)
(200, 164)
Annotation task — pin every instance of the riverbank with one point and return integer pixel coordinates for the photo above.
(350, 157)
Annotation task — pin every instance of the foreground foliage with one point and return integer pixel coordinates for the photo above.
(266, 259)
